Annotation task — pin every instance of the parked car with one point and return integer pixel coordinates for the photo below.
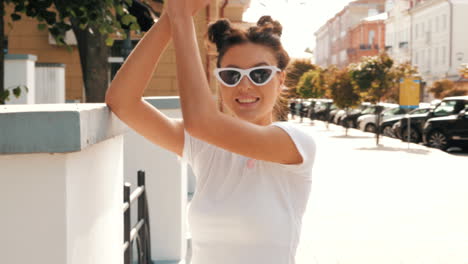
(367, 122)
(417, 117)
(350, 119)
(447, 124)
(338, 118)
(304, 108)
(322, 109)
(386, 127)
(448, 106)
(447, 131)
(332, 114)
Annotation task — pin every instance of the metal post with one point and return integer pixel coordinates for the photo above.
(409, 130)
(144, 214)
(127, 227)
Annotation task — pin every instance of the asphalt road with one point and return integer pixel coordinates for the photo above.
(393, 203)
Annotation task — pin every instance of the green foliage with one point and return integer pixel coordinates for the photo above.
(106, 16)
(464, 70)
(16, 91)
(294, 72)
(440, 87)
(342, 91)
(311, 84)
(444, 88)
(373, 76)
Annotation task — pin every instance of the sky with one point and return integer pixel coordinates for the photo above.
(300, 19)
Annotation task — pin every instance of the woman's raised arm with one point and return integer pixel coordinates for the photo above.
(124, 95)
(201, 116)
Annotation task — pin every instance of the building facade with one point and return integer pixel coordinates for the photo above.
(366, 38)
(334, 39)
(398, 30)
(439, 40)
(25, 38)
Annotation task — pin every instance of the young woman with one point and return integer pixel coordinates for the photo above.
(253, 173)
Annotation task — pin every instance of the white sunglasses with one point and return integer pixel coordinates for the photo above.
(257, 75)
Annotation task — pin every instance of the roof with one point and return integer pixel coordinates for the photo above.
(381, 16)
(465, 97)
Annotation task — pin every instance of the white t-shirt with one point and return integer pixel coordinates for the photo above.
(247, 211)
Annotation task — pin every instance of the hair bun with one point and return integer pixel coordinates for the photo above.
(267, 24)
(218, 31)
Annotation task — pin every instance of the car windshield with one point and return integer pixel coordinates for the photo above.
(445, 108)
(369, 110)
(392, 111)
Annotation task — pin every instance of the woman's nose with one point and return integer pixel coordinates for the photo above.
(245, 83)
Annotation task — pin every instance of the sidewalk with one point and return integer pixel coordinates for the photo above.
(383, 204)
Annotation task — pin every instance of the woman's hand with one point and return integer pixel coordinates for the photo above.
(185, 8)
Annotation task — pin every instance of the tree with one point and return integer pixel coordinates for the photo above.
(456, 91)
(343, 92)
(293, 74)
(439, 88)
(373, 78)
(464, 70)
(311, 84)
(92, 21)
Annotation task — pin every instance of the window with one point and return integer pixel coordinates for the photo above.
(437, 24)
(436, 60)
(117, 56)
(416, 59)
(445, 108)
(416, 31)
(444, 53)
(444, 22)
(371, 37)
(429, 56)
(423, 57)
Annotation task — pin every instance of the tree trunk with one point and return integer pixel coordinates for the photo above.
(94, 62)
(377, 124)
(2, 48)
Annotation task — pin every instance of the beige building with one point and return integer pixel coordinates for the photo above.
(333, 40)
(440, 42)
(25, 38)
(398, 30)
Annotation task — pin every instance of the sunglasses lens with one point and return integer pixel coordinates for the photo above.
(230, 77)
(260, 76)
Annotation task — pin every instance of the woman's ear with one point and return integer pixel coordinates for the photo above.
(282, 77)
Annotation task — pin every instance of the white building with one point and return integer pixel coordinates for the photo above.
(439, 38)
(398, 30)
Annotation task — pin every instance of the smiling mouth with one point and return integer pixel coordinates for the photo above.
(247, 101)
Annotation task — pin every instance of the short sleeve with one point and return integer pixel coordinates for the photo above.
(193, 148)
(304, 143)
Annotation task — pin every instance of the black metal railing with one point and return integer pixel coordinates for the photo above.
(140, 232)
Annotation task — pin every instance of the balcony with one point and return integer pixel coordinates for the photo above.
(403, 45)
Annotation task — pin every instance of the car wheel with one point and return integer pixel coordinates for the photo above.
(388, 131)
(370, 128)
(437, 139)
(414, 135)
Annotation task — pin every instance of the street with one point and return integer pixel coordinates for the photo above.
(383, 204)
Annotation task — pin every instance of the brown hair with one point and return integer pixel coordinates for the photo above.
(267, 32)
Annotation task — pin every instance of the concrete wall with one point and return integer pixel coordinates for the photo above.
(62, 181)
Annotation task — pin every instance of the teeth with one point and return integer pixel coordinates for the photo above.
(244, 101)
